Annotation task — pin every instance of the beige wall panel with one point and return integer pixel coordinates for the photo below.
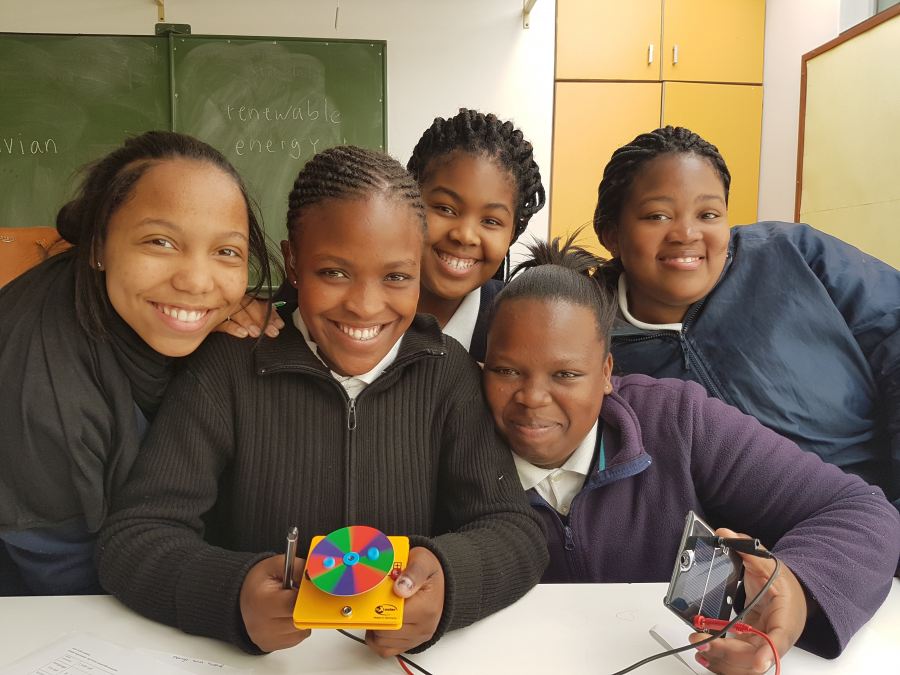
(873, 228)
(851, 149)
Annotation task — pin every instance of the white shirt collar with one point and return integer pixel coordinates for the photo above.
(623, 307)
(559, 486)
(461, 325)
(353, 384)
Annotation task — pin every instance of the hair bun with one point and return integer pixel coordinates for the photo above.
(67, 222)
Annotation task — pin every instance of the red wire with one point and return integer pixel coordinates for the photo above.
(405, 667)
(705, 623)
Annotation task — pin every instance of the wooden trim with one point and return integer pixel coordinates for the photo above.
(852, 32)
(849, 34)
(801, 131)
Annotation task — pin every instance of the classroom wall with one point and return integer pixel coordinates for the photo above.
(441, 55)
(793, 27)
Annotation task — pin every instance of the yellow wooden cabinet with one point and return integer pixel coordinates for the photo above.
(713, 40)
(691, 40)
(608, 40)
(729, 116)
(603, 100)
(591, 120)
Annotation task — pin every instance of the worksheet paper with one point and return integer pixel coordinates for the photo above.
(85, 654)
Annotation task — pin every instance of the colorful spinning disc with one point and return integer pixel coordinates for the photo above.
(350, 561)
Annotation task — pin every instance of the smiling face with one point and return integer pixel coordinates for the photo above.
(545, 374)
(470, 208)
(355, 264)
(672, 236)
(176, 253)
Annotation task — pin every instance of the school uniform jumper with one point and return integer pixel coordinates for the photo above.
(669, 448)
(73, 408)
(802, 331)
(251, 440)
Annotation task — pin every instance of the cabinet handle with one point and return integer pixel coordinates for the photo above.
(650, 54)
(674, 55)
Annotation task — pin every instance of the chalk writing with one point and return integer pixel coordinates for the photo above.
(294, 146)
(12, 145)
(292, 112)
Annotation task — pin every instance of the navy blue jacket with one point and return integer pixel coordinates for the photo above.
(802, 331)
(669, 447)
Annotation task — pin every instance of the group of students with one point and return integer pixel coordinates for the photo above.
(170, 481)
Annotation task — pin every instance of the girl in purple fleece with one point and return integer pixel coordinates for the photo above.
(613, 464)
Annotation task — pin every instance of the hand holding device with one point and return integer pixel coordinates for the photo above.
(267, 607)
(349, 581)
(781, 613)
(706, 575)
(422, 584)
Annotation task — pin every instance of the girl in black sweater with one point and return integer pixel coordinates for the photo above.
(359, 412)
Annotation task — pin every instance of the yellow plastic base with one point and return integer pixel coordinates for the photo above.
(376, 609)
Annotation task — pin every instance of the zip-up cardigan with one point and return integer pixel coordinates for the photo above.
(251, 441)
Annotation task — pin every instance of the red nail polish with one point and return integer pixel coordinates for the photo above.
(702, 661)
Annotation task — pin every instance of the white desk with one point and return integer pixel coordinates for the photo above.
(577, 628)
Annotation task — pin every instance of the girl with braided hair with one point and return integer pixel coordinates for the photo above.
(612, 465)
(358, 412)
(786, 323)
(481, 186)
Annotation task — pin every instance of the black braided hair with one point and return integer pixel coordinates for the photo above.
(350, 172)
(627, 161)
(479, 134)
(106, 185)
(562, 271)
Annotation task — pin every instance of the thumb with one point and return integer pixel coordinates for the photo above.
(421, 566)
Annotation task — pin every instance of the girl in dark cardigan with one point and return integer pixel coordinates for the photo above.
(613, 464)
(360, 412)
(163, 234)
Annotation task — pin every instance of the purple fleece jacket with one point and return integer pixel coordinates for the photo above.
(669, 448)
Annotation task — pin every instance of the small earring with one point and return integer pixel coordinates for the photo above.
(294, 282)
(99, 265)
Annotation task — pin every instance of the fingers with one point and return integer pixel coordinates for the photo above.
(422, 583)
(734, 655)
(251, 318)
(420, 568)
(267, 608)
(232, 328)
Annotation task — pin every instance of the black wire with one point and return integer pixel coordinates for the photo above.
(399, 656)
(715, 635)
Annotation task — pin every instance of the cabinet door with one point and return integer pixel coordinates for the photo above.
(730, 117)
(713, 40)
(607, 39)
(591, 120)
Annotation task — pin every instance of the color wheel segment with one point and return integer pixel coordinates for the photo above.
(350, 561)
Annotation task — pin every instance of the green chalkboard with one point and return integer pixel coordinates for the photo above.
(267, 103)
(67, 100)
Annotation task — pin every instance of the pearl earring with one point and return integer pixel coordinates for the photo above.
(99, 265)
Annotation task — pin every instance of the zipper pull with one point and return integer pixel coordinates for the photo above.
(351, 415)
(684, 351)
(570, 539)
